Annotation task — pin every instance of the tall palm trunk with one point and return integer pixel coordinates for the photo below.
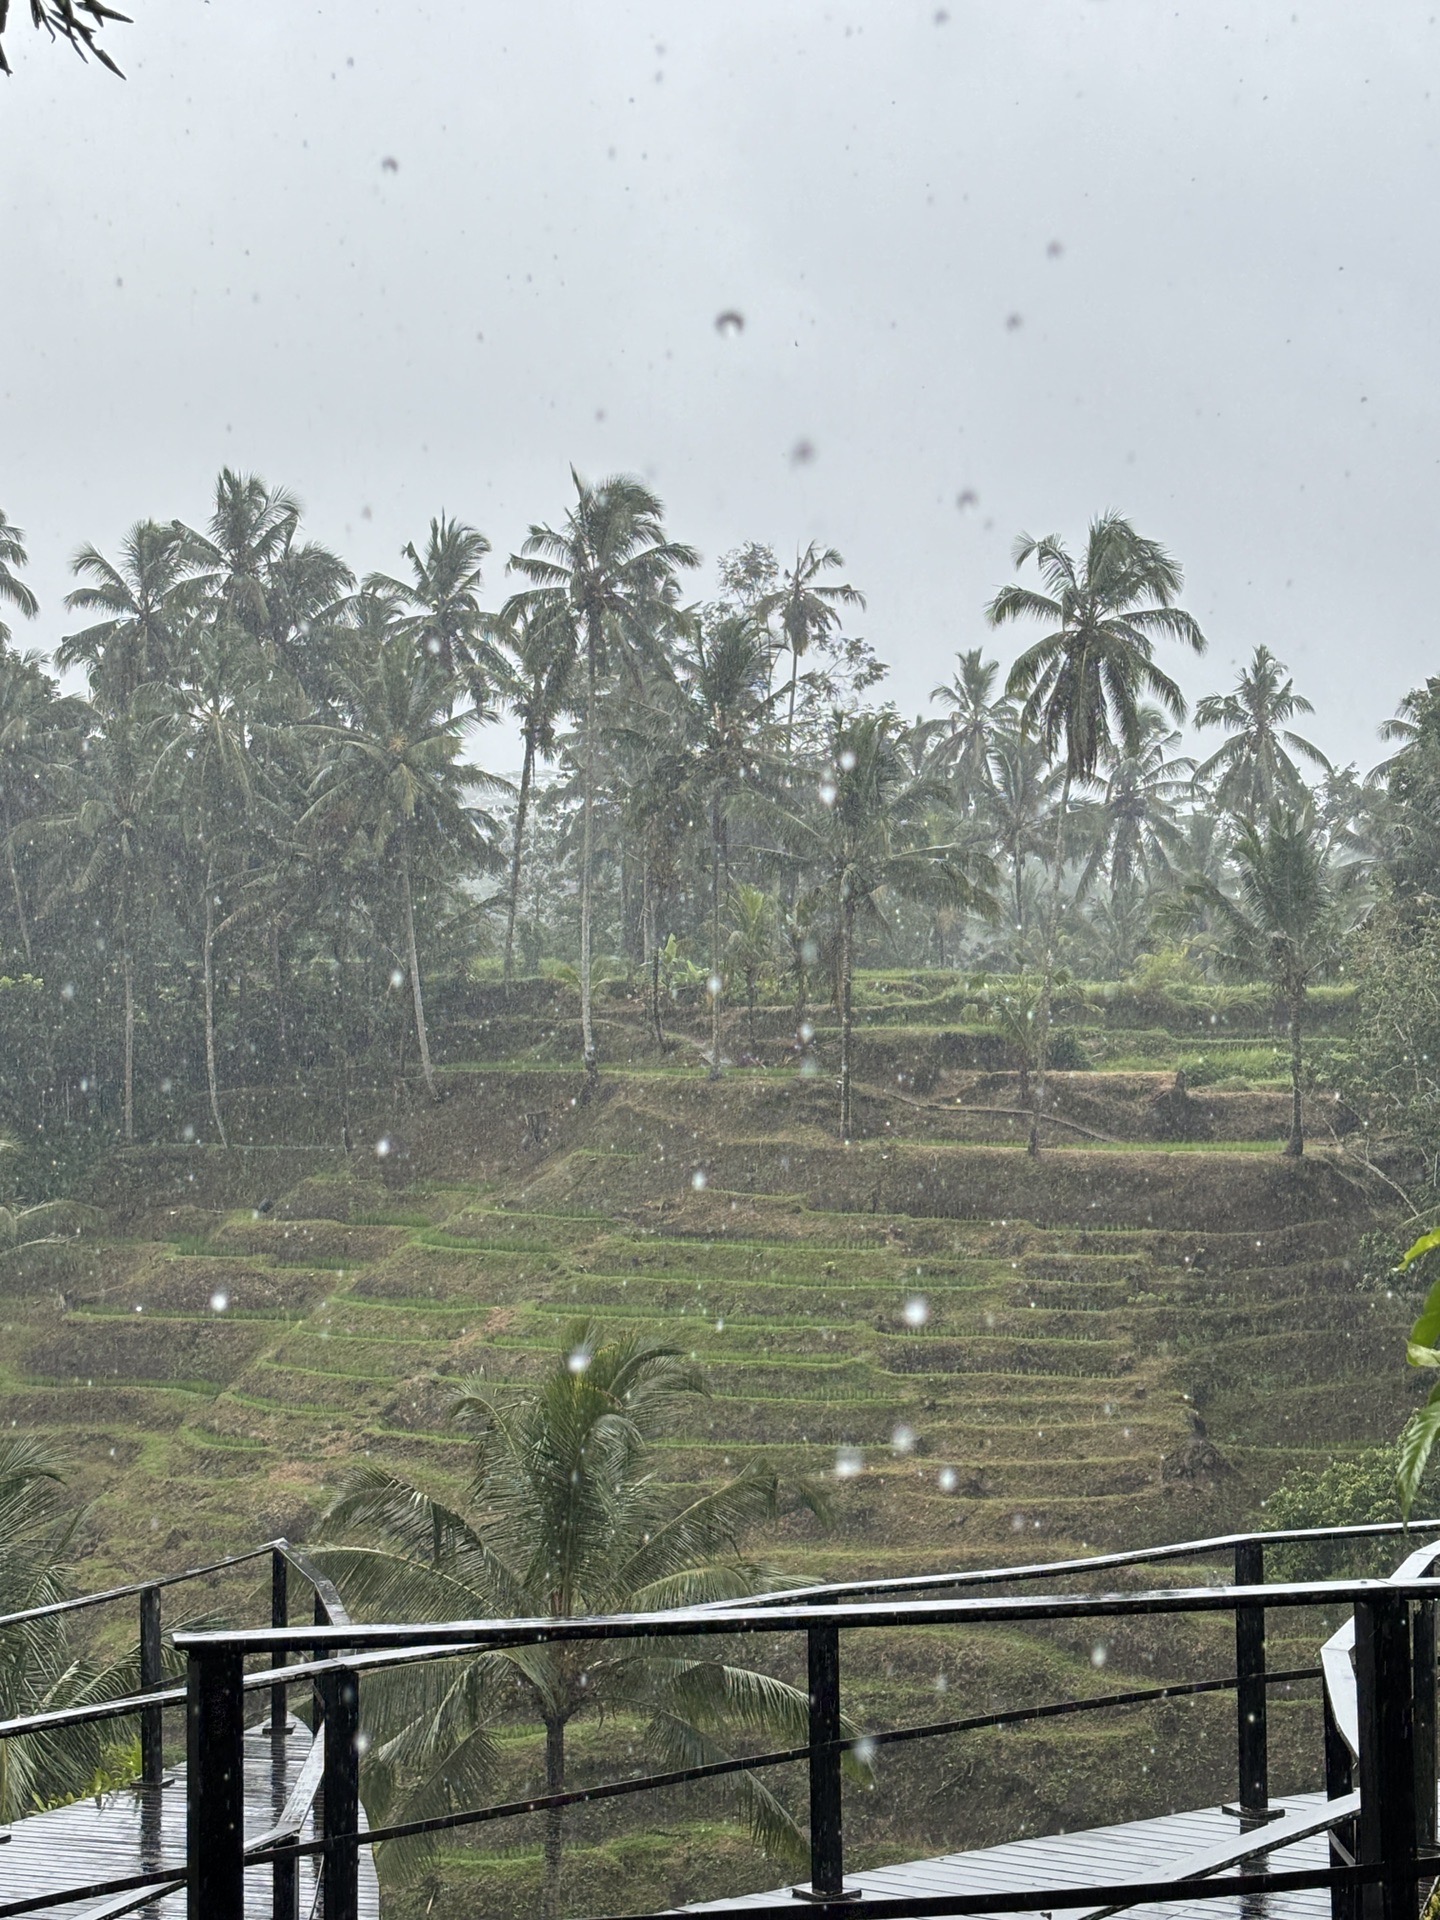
(847, 997)
(554, 1819)
(714, 983)
(23, 923)
(522, 805)
(1295, 1145)
(587, 1034)
(422, 1035)
(277, 974)
(1047, 977)
(652, 952)
(127, 963)
(208, 968)
(790, 718)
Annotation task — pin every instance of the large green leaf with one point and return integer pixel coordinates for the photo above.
(1416, 1443)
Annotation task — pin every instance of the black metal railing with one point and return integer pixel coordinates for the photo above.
(154, 1698)
(1379, 1757)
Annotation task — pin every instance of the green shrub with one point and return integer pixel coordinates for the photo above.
(1355, 1490)
(1067, 1051)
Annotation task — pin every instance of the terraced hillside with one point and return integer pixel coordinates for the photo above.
(1132, 1338)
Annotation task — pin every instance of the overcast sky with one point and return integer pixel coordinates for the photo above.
(1051, 256)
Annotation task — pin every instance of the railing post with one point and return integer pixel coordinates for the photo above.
(1340, 1780)
(340, 1887)
(279, 1617)
(152, 1662)
(1423, 1719)
(827, 1837)
(285, 1874)
(215, 1786)
(1252, 1737)
(1384, 1686)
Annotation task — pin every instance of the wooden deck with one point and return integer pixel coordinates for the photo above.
(140, 1829)
(1138, 1850)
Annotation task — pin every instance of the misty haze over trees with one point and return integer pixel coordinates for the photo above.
(262, 842)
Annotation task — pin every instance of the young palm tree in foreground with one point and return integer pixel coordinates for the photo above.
(39, 1669)
(566, 1518)
(1083, 681)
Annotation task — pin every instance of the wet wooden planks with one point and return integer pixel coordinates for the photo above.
(142, 1829)
(1136, 1850)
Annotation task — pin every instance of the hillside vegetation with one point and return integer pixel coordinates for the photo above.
(986, 1355)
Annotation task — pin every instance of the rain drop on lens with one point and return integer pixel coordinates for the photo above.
(849, 1461)
(949, 1479)
(697, 1180)
(1099, 1654)
(903, 1439)
(917, 1311)
(218, 1302)
(382, 1147)
(579, 1360)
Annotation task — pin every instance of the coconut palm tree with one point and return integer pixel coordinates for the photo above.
(13, 590)
(206, 770)
(1016, 809)
(1134, 826)
(868, 833)
(610, 571)
(1254, 771)
(1082, 683)
(95, 844)
(566, 1518)
(144, 601)
(727, 707)
(805, 608)
(441, 601)
(1295, 904)
(40, 1668)
(973, 721)
(540, 670)
(39, 733)
(392, 778)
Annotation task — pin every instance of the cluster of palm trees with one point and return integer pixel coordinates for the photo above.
(257, 841)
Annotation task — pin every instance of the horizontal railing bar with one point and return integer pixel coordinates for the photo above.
(1094, 1563)
(252, 1683)
(683, 1622)
(67, 1896)
(135, 1589)
(789, 1756)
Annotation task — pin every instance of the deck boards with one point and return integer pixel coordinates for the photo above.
(137, 1829)
(1135, 1850)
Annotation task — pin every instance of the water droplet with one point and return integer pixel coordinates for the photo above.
(828, 792)
(847, 761)
(382, 1146)
(903, 1439)
(916, 1311)
(949, 1479)
(697, 1180)
(219, 1302)
(579, 1360)
(849, 1461)
(1099, 1654)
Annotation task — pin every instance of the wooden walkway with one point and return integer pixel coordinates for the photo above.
(140, 1829)
(1138, 1850)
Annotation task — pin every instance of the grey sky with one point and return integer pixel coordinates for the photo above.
(1060, 254)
